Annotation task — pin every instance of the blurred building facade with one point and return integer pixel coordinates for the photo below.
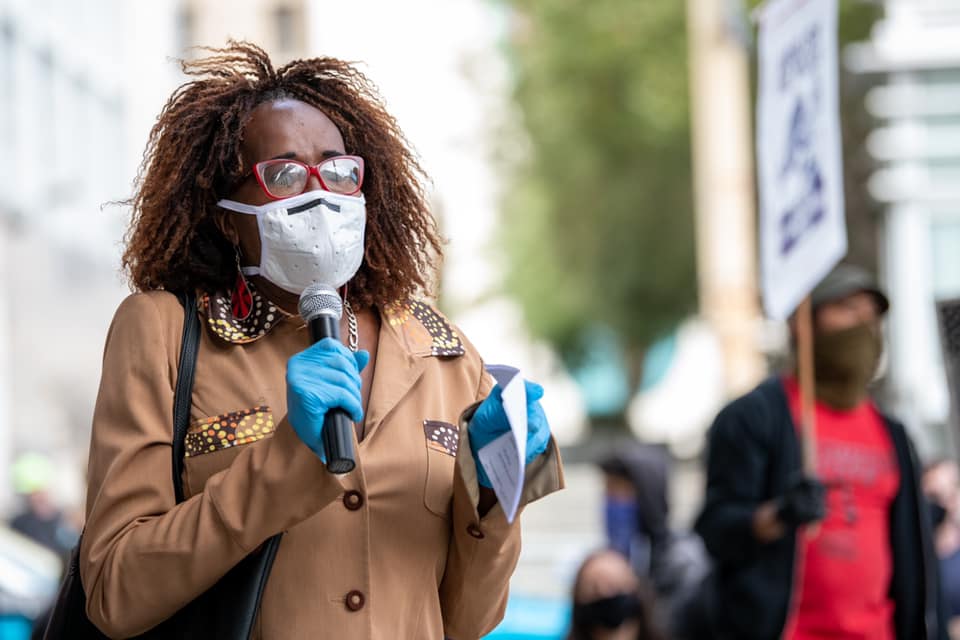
(914, 58)
(281, 27)
(62, 110)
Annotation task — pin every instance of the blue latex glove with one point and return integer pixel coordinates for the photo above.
(323, 377)
(490, 422)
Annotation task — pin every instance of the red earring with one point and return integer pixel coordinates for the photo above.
(241, 300)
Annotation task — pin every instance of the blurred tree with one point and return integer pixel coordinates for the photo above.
(598, 204)
(599, 210)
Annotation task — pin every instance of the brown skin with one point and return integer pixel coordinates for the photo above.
(619, 487)
(283, 128)
(295, 129)
(837, 315)
(194, 158)
(847, 313)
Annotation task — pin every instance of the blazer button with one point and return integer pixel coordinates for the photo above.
(353, 500)
(474, 531)
(355, 600)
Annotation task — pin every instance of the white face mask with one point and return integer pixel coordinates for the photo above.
(316, 236)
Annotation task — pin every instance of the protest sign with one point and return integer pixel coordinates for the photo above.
(802, 225)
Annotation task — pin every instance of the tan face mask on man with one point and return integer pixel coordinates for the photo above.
(845, 363)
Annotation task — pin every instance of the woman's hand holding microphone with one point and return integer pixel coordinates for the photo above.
(322, 377)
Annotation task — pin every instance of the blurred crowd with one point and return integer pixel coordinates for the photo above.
(648, 583)
(651, 583)
(941, 487)
(35, 548)
(834, 531)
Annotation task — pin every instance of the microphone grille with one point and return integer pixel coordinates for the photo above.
(320, 300)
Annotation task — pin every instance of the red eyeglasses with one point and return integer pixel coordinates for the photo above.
(286, 178)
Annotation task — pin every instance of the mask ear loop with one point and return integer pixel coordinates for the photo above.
(241, 300)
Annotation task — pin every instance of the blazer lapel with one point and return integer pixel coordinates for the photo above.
(410, 333)
(397, 370)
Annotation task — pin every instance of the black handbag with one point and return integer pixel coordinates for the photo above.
(229, 608)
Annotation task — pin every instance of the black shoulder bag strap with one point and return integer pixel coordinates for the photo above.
(229, 608)
(189, 346)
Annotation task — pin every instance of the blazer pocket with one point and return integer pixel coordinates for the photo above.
(228, 430)
(441, 441)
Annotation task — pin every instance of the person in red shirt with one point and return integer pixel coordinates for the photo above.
(845, 554)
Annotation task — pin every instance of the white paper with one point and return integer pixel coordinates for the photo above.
(504, 458)
(802, 227)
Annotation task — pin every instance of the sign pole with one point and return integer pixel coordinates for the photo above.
(807, 385)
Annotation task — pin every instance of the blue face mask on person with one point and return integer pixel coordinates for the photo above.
(622, 520)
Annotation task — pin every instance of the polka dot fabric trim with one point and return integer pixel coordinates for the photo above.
(442, 436)
(218, 309)
(228, 430)
(444, 339)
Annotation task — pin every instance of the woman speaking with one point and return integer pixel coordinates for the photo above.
(256, 183)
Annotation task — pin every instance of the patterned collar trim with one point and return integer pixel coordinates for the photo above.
(430, 335)
(424, 330)
(262, 317)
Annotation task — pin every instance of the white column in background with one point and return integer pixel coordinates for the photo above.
(7, 426)
(912, 322)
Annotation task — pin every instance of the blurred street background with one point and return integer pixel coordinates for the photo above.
(593, 169)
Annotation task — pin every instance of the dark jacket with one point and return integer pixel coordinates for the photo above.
(753, 453)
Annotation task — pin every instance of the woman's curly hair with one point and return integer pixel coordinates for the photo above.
(193, 158)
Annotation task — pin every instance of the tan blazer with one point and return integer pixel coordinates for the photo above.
(394, 549)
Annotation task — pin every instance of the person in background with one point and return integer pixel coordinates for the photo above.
(941, 487)
(610, 602)
(867, 568)
(636, 518)
(41, 519)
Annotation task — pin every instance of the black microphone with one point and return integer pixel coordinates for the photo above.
(321, 308)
